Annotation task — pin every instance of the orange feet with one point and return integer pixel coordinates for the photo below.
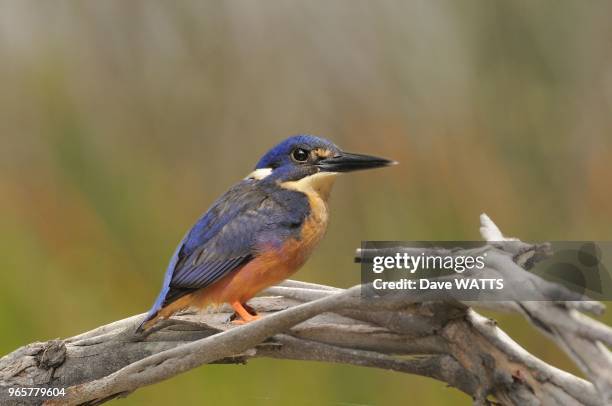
(245, 316)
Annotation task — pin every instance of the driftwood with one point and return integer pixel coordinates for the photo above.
(445, 340)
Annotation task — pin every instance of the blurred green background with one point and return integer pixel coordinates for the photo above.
(120, 122)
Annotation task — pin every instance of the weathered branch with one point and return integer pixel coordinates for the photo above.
(447, 341)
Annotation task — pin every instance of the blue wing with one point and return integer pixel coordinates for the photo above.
(228, 235)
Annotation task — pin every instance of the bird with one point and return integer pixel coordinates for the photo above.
(260, 232)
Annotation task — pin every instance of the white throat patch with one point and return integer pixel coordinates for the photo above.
(259, 174)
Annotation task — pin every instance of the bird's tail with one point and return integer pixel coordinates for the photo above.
(153, 314)
(148, 322)
(158, 312)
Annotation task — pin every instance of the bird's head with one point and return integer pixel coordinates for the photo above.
(305, 161)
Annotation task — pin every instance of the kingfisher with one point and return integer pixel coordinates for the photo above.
(261, 231)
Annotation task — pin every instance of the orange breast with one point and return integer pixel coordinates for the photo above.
(270, 267)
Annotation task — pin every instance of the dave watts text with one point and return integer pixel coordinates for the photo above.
(432, 284)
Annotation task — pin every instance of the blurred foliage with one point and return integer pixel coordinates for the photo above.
(120, 122)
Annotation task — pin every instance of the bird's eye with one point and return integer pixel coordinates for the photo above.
(299, 155)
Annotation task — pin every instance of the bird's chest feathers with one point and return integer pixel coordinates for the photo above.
(317, 188)
(276, 263)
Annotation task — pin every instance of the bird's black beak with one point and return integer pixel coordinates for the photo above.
(347, 162)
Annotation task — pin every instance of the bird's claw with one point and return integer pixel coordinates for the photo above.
(246, 313)
(241, 321)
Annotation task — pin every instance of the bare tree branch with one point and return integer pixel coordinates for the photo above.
(447, 341)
